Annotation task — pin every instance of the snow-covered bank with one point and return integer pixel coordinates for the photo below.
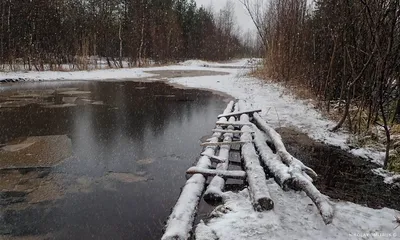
(97, 75)
(76, 75)
(280, 109)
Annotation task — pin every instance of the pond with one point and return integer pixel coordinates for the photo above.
(97, 160)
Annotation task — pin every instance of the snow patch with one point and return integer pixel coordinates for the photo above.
(294, 217)
(389, 177)
(78, 75)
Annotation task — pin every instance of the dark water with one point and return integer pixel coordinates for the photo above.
(148, 130)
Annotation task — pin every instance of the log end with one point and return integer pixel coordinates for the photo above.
(326, 212)
(264, 204)
(213, 198)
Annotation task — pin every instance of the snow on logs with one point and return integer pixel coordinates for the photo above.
(217, 184)
(180, 221)
(272, 161)
(218, 173)
(299, 173)
(237, 113)
(255, 173)
(281, 149)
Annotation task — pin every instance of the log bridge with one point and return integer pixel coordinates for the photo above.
(244, 129)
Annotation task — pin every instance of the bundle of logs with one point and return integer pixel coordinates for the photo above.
(238, 126)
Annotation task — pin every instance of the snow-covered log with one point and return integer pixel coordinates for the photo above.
(180, 221)
(235, 124)
(237, 113)
(272, 161)
(217, 184)
(223, 143)
(298, 171)
(215, 159)
(235, 174)
(280, 148)
(255, 173)
(227, 131)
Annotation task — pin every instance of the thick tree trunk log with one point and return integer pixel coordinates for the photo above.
(299, 179)
(180, 221)
(255, 173)
(273, 162)
(276, 139)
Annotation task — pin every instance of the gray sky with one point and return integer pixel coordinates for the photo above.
(243, 19)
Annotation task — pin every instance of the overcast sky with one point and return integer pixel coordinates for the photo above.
(243, 19)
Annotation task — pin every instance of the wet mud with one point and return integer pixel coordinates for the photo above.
(342, 176)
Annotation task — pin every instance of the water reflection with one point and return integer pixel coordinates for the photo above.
(129, 154)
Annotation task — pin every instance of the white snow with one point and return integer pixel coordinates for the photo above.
(390, 178)
(77, 75)
(295, 217)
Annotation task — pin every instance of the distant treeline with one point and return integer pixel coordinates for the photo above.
(344, 51)
(55, 32)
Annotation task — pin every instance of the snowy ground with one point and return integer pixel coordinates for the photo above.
(295, 216)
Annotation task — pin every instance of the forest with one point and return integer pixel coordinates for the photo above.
(55, 32)
(346, 53)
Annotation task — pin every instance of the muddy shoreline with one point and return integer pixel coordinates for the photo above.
(342, 176)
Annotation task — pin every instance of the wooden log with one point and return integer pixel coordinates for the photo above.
(237, 113)
(217, 184)
(223, 143)
(180, 222)
(215, 159)
(227, 131)
(298, 171)
(255, 173)
(272, 161)
(286, 157)
(235, 124)
(234, 174)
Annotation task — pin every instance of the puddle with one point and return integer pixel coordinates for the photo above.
(97, 160)
(341, 175)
